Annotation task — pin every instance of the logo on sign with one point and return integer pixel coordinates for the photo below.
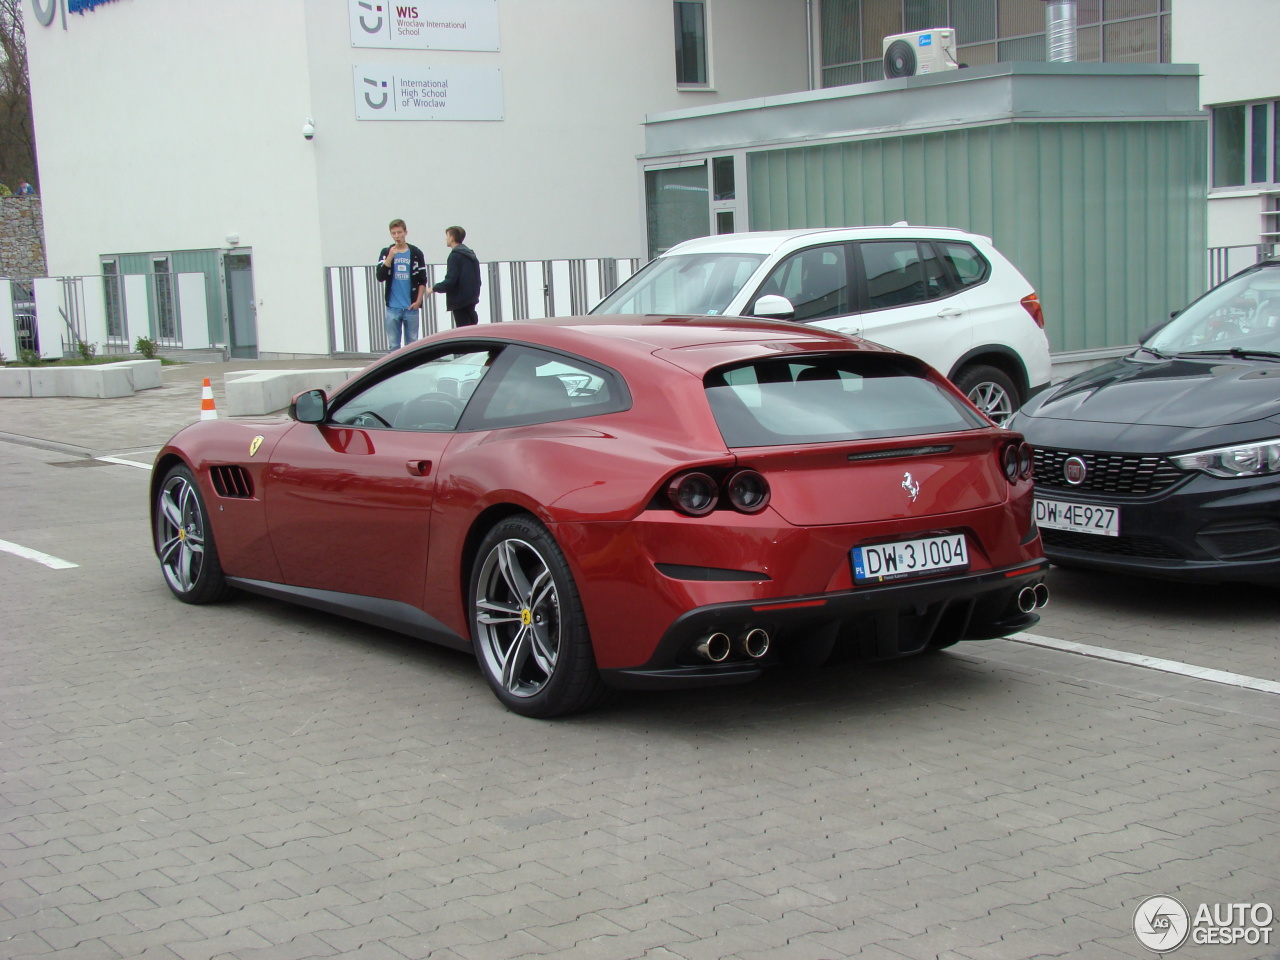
(376, 27)
(369, 100)
(1074, 471)
(926, 40)
(911, 486)
(1161, 924)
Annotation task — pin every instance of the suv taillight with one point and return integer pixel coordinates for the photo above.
(1032, 305)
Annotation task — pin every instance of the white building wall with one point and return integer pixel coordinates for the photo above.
(556, 177)
(1234, 44)
(169, 125)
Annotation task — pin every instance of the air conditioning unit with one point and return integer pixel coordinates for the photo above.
(914, 54)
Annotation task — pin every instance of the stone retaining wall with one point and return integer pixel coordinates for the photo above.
(21, 238)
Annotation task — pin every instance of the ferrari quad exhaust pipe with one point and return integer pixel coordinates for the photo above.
(1027, 599)
(1033, 598)
(714, 647)
(754, 643)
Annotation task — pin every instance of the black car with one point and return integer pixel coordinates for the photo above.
(1166, 462)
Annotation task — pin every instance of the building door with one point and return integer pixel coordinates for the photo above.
(242, 313)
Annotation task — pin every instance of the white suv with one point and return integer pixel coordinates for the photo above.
(946, 296)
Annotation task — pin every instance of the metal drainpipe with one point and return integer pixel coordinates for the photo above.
(1060, 25)
(808, 33)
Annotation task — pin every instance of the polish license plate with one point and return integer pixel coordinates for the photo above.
(909, 558)
(1078, 517)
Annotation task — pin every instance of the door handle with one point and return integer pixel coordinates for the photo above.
(949, 312)
(419, 468)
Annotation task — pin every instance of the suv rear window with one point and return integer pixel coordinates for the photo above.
(830, 399)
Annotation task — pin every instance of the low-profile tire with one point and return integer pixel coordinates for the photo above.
(184, 541)
(527, 623)
(990, 390)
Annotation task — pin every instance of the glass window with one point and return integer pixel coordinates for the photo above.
(677, 206)
(691, 42)
(974, 21)
(1024, 49)
(724, 221)
(539, 387)
(1117, 9)
(978, 54)
(841, 37)
(829, 400)
(1088, 11)
(1275, 142)
(1089, 44)
(699, 283)
(1258, 160)
(967, 264)
(924, 14)
(815, 281)
(1021, 16)
(1228, 146)
(113, 297)
(840, 76)
(1131, 41)
(895, 274)
(429, 395)
(162, 293)
(722, 178)
(880, 19)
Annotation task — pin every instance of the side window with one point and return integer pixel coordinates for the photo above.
(967, 264)
(897, 274)
(816, 281)
(430, 395)
(539, 387)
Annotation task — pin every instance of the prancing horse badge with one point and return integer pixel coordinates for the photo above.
(256, 442)
(909, 485)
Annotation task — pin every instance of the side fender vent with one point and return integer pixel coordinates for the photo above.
(232, 480)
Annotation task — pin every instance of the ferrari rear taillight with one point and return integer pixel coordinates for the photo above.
(1031, 303)
(696, 493)
(747, 490)
(693, 493)
(1017, 461)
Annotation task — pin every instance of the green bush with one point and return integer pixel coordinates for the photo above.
(147, 347)
(29, 357)
(86, 350)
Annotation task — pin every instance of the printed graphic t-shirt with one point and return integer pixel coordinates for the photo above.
(400, 281)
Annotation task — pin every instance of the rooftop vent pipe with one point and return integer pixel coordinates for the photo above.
(1060, 25)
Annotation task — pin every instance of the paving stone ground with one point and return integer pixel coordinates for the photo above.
(255, 780)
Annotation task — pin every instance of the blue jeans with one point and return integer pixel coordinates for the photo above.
(396, 320)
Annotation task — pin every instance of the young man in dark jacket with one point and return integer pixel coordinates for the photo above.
(402, 270)
(461, 283)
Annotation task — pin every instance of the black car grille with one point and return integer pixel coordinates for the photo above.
(1146, 547)
(1115, 473)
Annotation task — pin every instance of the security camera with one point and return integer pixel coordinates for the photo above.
(309, 129)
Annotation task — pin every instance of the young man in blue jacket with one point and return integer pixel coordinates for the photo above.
(461, 283)
(402, 270)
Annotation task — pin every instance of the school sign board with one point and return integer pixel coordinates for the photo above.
(424, 24)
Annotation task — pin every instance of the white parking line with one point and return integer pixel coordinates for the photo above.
(54, 563)
(1151, 663)
(127, 463)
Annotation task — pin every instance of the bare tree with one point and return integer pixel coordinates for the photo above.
(17, 130)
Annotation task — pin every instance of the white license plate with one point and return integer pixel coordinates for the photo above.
(910, 558)
(1078, 517)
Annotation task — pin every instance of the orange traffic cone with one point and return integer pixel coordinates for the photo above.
(207, 410)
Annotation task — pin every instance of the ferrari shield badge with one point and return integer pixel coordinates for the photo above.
(254, 444)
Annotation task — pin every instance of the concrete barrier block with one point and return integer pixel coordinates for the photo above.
(15, 381)
(99, 382)
(144, 374)
(267, 391)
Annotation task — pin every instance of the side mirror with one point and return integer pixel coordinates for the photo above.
(773, 307)
(308, 407)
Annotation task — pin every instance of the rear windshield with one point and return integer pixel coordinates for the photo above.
(702, 283)
(830, 399)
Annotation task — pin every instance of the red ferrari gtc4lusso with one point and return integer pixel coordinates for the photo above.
(601, 502)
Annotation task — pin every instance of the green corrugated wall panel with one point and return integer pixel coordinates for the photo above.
(1107, 220)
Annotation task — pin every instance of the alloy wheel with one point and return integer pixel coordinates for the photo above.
(517, 612)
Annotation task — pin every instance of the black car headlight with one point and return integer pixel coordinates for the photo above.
(1258, 459)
